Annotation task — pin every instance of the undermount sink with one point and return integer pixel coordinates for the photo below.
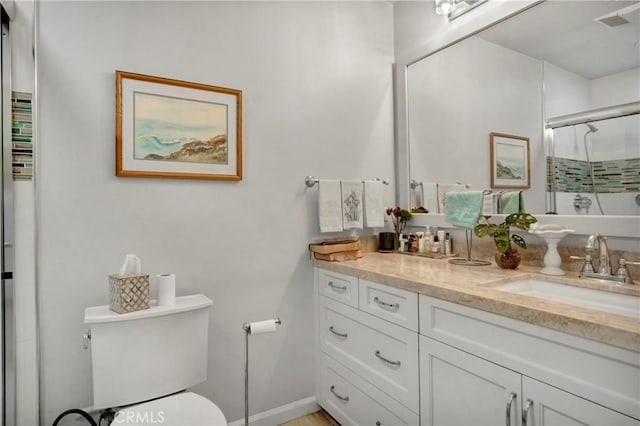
(606, 301)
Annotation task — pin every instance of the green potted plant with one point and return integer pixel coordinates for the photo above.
(508, 256)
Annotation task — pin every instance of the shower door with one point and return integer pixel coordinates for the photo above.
(7, 314)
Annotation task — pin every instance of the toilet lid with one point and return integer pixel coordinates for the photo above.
(182, 409)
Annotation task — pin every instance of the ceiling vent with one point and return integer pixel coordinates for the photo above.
(621, 17)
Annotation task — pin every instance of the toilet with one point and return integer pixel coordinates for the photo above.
(142, 363)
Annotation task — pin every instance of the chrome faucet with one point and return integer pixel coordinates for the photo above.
(604, 265)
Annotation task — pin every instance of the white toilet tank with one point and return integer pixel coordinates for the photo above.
(150, 353)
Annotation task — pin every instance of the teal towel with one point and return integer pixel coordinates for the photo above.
(463, 208)
(511, 202)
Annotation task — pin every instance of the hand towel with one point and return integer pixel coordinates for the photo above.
(351, 204)
(373, 204)
(443, 189)
(512, 202)
(330, 205)
(463, 208)
(430, 196)
(491, 204)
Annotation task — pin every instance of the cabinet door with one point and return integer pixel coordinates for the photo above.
(554, 407)
(457, 388)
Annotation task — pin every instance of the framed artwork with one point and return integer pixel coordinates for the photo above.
(177, 129)
(509, 161)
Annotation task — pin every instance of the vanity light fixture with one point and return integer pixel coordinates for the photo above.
(444, 7)
(455, 8)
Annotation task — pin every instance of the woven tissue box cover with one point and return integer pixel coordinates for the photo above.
(128, 293)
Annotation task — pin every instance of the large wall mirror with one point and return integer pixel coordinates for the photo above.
(556, 62)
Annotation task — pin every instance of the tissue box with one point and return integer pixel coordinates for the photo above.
(129, 292)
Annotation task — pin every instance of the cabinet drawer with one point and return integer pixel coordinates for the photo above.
(382, 353)
(340, 287)
(353, 401)
(393, 304)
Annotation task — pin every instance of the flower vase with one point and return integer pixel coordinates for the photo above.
(510, 259)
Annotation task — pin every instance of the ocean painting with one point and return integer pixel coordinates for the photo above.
(175, 129)
(510, 161)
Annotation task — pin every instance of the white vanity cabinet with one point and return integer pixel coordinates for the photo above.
(368, 363)
(483, 369)
(388, 356)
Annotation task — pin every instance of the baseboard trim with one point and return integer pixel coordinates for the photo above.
(282, 414)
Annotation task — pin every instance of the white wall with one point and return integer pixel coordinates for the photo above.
(616, 89)
(317, 90)
(565, 92)
(618, 138)
(621, 203)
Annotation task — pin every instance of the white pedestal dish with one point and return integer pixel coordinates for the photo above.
(552, 234)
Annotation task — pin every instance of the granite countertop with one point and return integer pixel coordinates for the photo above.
(472, 286)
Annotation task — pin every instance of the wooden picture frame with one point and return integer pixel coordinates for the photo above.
(510, 164)
(177, 129)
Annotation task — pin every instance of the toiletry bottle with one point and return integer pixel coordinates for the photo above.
(413, 244)
(447, 244)
(427, 240)
(435, 247)
(420, 236)
(441, 240)
(402, 240)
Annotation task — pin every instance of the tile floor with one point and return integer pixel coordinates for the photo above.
(319, 418)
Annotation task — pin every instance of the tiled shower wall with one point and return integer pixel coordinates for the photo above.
(22, 129)
(611, 176)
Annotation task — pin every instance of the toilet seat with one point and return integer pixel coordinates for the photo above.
(182, 409)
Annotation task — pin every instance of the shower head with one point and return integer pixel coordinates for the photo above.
(591, 127)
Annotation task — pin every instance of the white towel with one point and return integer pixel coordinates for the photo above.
(330, 206)
(443, 188)
(352, 204)
(373, 207)
(488, 207)
(430, 196)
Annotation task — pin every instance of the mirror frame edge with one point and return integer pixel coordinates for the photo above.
(494, 13)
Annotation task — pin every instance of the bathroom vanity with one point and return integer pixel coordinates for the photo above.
(406, 340)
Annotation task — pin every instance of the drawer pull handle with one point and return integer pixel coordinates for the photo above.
(385, 304)
(525, 413)
(388, 361)
(337, 333)
(512, 397)
(340, 397)
(337, 287)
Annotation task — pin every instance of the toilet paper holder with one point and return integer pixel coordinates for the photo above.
(258, 327)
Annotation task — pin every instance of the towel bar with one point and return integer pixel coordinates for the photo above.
(310, 181)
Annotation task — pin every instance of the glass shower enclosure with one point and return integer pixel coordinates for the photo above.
(7, 313)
